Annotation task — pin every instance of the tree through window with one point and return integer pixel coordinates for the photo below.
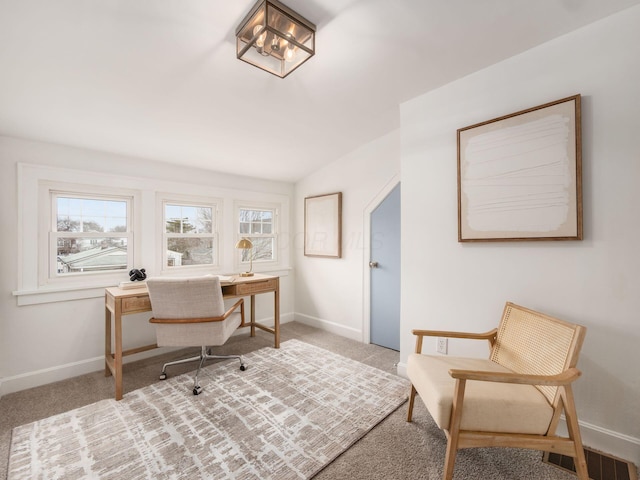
(189, 236)
(258, 225)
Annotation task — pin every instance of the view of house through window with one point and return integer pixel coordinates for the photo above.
(90, 234)
(258, 225)
(189, 235)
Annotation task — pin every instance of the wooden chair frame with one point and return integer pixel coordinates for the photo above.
(563, 401)
(230, 310)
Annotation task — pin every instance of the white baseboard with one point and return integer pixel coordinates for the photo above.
(604, 440)
(331, 327)
(597, 438)
(56, 373)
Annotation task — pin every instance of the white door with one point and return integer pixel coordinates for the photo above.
(384, 267)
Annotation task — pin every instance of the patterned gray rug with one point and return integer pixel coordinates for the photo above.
(292, 412)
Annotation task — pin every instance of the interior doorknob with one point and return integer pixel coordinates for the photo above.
(373, 264)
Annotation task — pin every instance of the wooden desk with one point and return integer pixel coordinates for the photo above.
(119, 302)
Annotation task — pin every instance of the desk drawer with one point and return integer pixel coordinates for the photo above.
(252, 288)
(136, 304)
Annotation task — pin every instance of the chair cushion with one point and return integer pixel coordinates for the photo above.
(488, 406)
(197, 334)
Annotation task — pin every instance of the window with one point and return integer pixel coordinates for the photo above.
(259, 226)
(90, 234)
(189, 235)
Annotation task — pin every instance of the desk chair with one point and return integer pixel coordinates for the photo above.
(190, 312)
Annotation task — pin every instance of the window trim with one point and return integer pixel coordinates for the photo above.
(33, 183)
(33, 222)
(46, 248)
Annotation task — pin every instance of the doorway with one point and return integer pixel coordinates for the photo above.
(384, 269)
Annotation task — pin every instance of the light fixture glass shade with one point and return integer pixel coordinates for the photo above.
(275, 38)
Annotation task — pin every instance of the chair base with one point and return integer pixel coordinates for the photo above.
(205, 354)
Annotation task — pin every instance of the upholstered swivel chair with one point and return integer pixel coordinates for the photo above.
(190, 312)
(512, 399)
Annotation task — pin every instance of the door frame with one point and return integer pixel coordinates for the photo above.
(366, 294)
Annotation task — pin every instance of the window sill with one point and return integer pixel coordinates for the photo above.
(58, 294)
(80, 292)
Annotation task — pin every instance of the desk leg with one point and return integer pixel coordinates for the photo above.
(107, 341)
(118, 354)
(253, 315)
(276, 315)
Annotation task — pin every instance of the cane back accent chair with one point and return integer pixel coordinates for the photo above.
(514, 398)
(190, 312)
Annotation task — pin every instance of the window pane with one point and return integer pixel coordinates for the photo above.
(245, 215)
(73, 205)
(189, 251)
(67, 223)
(256, 221)
(116, 209)
(262, 250)
(90, 215)
(93, 224)
(188, 219)
(91, 254)
(204, 221)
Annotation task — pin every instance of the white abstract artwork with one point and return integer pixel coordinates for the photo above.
(519, 176)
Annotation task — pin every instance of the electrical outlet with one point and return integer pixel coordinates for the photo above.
(442, 345)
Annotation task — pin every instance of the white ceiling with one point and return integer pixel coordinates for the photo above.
(159, 79)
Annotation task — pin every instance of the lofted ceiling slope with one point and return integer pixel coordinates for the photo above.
(158, 79)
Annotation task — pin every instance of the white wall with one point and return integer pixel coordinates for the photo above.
(45, 342)
(595, 282)
(330, 292)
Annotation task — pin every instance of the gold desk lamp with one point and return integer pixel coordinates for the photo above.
(245, 244)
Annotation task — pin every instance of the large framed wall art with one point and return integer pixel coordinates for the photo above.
(519, 176)
(323, 225)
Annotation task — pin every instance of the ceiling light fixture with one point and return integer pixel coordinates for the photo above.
(275, 38)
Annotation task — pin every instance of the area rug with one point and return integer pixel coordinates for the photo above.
(292, 412)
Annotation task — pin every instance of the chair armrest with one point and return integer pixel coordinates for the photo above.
(490, 336)
(563, 378)
(239, 303)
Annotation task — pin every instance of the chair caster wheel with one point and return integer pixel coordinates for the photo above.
(163, 376)
(243, 367)
(197, 390)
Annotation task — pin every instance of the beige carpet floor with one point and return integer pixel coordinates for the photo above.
(394, 449)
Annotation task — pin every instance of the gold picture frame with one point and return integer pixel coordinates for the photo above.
(520, 175)
(323, 225)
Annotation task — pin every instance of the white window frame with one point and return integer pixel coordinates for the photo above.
(198, 202)
(34, 184)
(275, 234)
(54, 234)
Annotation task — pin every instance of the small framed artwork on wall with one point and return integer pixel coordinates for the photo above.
(520, 176)
(323, 225)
